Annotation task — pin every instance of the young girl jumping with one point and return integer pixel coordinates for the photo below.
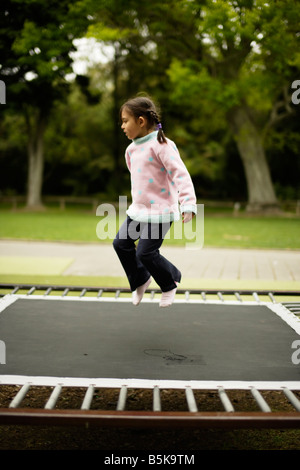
(159, 180)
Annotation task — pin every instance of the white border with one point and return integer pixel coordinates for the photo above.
(6, 301)
(286, 315)
(146, 383)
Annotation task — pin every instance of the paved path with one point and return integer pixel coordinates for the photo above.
(207, 263)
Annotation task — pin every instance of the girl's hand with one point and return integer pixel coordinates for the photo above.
(187, 216)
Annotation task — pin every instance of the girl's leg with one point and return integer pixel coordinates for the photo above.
(162, 270)
(124, 245)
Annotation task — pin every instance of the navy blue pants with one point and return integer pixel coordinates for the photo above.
(144, 259)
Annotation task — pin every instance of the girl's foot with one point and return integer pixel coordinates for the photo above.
(167, 298)
(139, 292)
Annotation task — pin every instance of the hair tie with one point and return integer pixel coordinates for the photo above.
(159, 126)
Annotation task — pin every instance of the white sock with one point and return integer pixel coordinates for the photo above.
(167, 298)
(137, 295)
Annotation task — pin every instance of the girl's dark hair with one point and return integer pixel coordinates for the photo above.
(144, 106)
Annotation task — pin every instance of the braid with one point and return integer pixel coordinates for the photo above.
(154, 116)
(160, 136)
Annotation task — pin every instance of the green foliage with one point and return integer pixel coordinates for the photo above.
(78, 143)
(199, 59)
(244, 55)
(37, 42)
(104, 33)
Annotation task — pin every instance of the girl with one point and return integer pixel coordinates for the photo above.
(159, 179)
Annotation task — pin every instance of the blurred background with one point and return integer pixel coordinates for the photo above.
(224, 74)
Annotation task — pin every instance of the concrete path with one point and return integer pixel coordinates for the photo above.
(77, 259)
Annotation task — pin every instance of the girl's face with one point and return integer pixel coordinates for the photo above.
(132, 127)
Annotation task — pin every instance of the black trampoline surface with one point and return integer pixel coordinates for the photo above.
(76, 338)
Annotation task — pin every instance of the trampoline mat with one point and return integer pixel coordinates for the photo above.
(100, 339)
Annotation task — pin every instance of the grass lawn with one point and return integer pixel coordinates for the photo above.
(219, 230)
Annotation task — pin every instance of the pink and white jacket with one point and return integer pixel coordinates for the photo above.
(159, 181)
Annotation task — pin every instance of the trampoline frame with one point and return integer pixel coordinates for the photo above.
(120, 417)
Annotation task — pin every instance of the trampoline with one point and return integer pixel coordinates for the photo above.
(103, 341)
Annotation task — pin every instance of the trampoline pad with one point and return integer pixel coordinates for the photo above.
(189, 341)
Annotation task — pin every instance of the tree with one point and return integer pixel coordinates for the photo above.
(78, 140)
(250, 55)
(35, 60)
(231, 59)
